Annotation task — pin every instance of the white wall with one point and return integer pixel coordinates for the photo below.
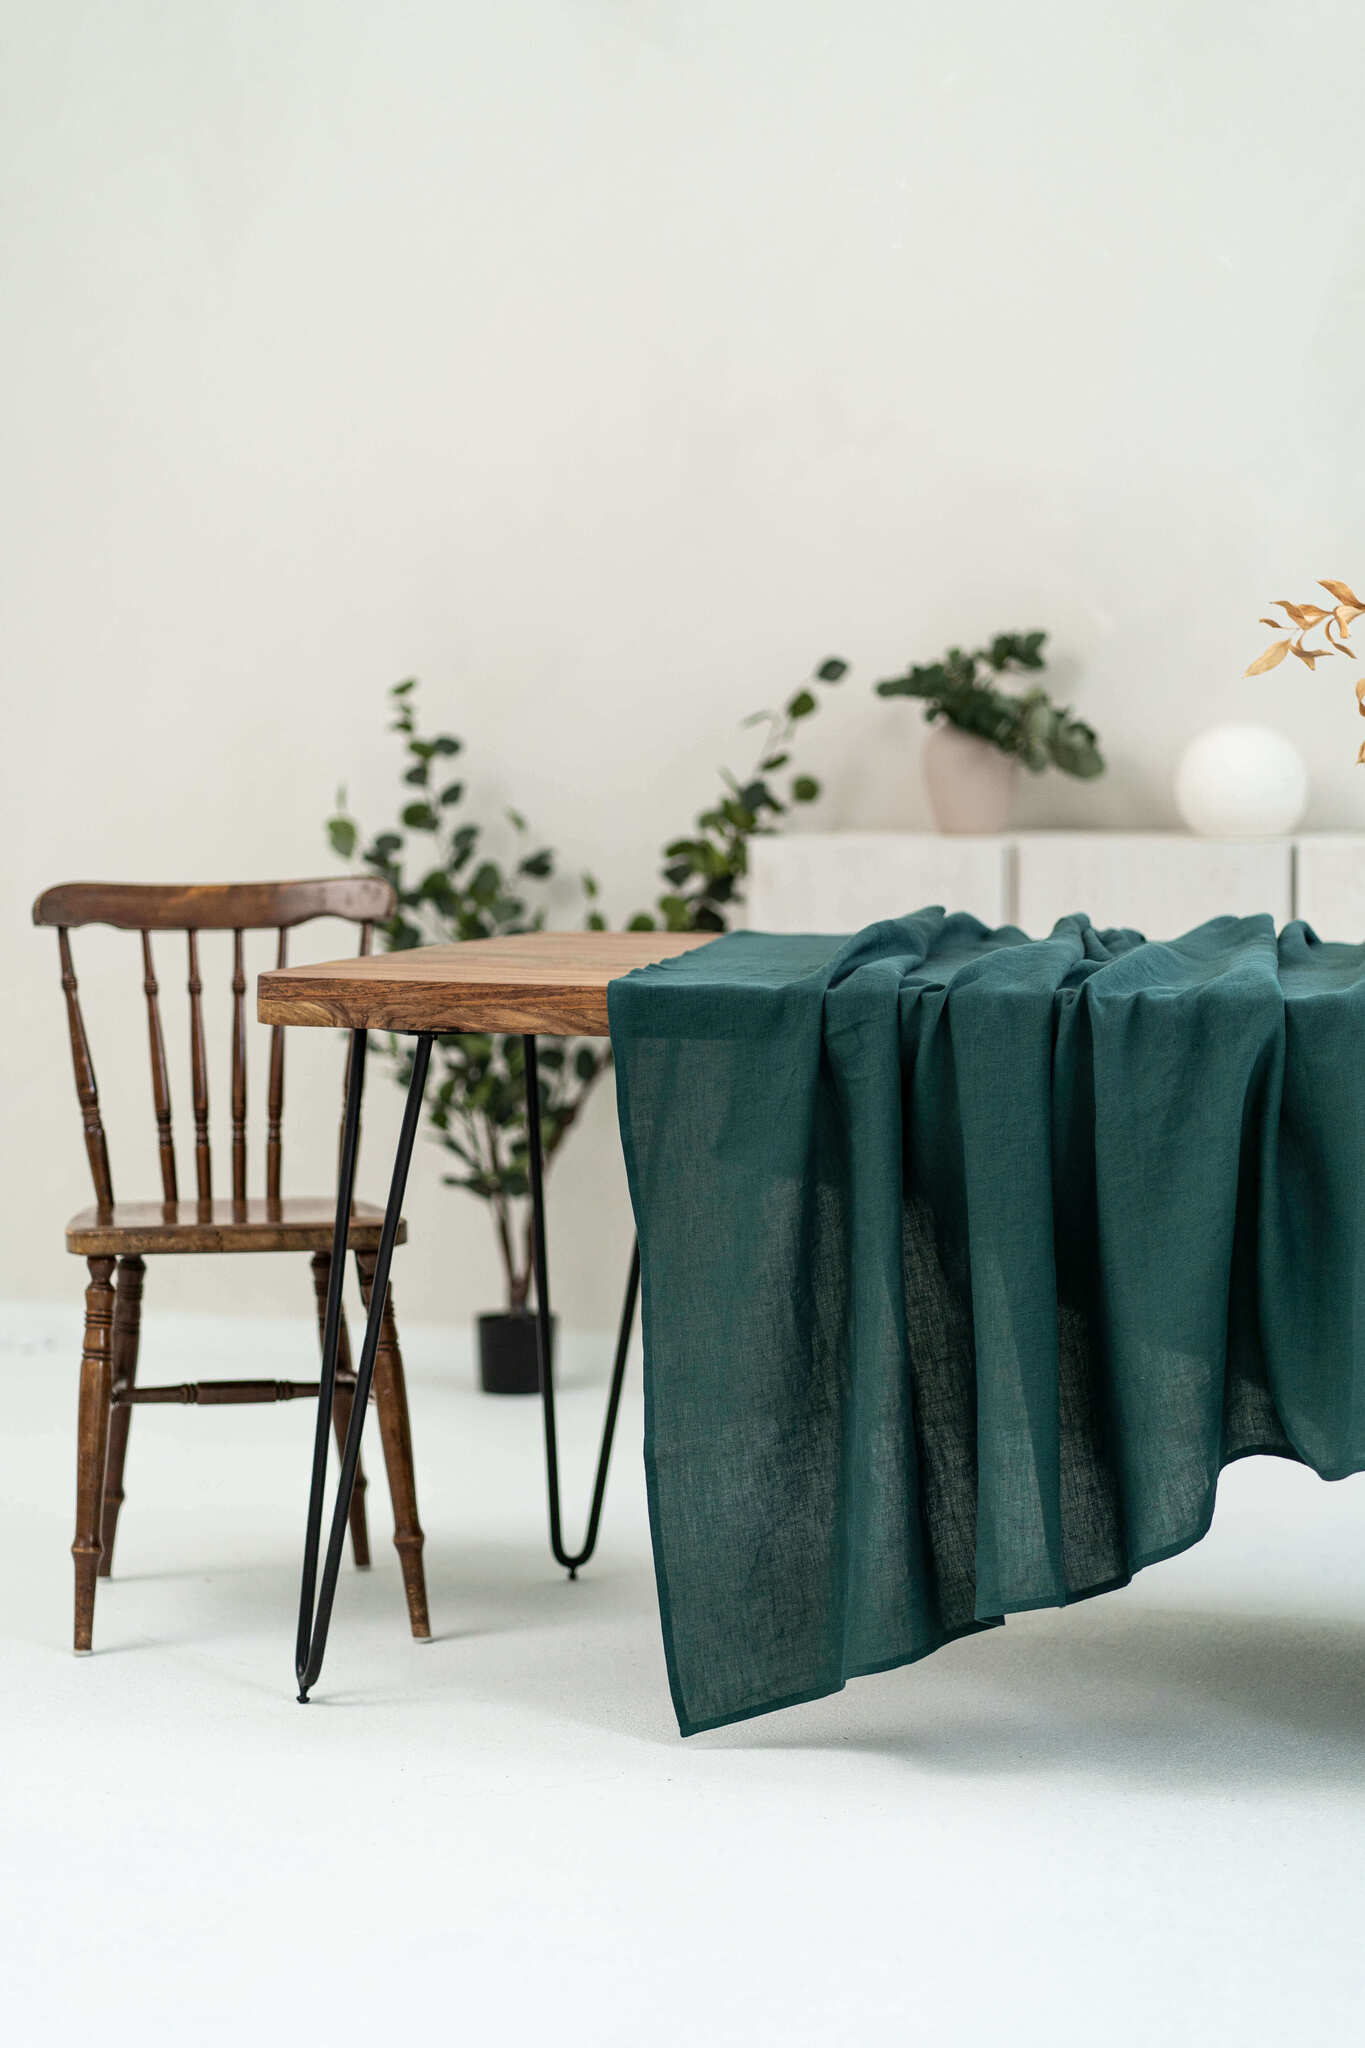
(607, 362)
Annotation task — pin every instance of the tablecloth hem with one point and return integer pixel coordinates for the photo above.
(824, 1692)
(996, 1619)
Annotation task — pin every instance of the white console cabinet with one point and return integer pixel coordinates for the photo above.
(1159, 883)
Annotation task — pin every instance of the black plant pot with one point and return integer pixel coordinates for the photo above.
(508, 1360)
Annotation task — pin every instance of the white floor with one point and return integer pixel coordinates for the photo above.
(1140, 1821)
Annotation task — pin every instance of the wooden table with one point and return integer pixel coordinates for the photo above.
(550, 982)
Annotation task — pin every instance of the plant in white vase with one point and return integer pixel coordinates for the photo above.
(982, 735)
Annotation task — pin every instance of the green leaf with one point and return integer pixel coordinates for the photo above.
(801, 705)
(930, 682)
(403, 689)
(452, 793)
(833, 670)
(342, 835)
(805, 789)
(1019, 650)
(774, 762)
(419, 817)
(585, 1064)
(438, 888)
(596, 921)
(419, 776)
(445, 743)
(515, 819)
(641, 922)
(537, 864)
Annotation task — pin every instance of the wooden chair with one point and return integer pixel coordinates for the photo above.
(118, 1236)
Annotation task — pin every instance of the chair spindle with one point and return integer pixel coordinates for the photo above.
(275, 1095)
(87, 1094)
(161, 1084)
(238, 1070)
(199, 1078)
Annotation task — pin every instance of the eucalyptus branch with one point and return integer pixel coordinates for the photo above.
(451, 885)
(706, 870)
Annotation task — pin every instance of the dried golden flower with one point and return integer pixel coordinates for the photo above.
(1305, 618)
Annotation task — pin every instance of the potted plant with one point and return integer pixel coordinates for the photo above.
(451, 886)
(983, 734)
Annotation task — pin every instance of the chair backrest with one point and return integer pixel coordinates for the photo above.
(236, 907)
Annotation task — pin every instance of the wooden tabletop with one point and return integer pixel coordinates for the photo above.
(555, 982)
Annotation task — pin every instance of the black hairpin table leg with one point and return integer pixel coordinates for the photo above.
(314, 1620)
(544, 1329)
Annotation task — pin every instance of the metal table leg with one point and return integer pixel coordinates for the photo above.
(314, 1620)
(315, 1613)
(571, 1560)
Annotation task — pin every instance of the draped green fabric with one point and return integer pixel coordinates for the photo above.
(968, 1261)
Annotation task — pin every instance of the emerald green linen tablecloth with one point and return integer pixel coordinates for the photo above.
(969, 1260)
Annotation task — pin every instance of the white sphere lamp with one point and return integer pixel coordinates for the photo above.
(1241, 782)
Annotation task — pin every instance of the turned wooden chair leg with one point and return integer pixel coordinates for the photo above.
(341, 1412)
(127, 1325)
(391, 1399)
(92, 1442)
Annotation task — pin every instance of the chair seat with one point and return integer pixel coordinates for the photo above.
(297, 1224)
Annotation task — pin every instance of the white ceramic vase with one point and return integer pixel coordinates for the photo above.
(971, 783)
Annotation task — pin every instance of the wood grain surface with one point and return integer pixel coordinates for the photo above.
(296, 1224)
(552, 982)
(214, 906)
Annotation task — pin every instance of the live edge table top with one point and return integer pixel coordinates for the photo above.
(551, 982)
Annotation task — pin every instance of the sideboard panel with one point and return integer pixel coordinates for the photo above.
(1158, 883)
(840, 881)
(1330, 891)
